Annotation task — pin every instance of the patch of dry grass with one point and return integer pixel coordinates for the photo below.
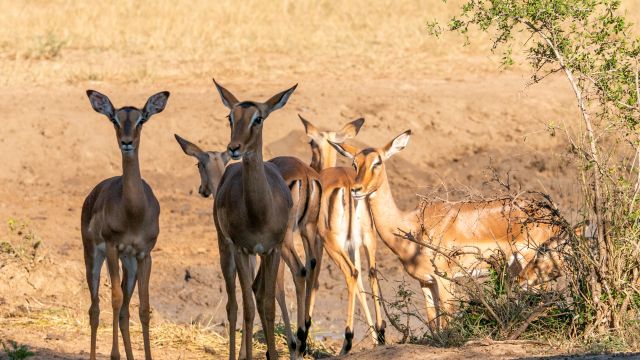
(191, 338)
(136, 41)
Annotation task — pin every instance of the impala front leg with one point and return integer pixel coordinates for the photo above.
(144, 274)
(129, 273)
(370, 251)
(116, 295)
(93, 260)
(245, 273)
(228, 268)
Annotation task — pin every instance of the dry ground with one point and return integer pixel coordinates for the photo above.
(370, 59)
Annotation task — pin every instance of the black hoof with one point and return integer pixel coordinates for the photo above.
(302, 337)
(348, 341)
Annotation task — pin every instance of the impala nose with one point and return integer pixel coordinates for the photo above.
(234, 151)
(356, 192)
(126, 145)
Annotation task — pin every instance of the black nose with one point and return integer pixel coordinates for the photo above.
(233, 148)
(356, 189)
(126, 142)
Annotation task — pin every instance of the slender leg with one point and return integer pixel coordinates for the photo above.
(93, 260)
(313, 258)
(437, 294)
(313, 251)
(271, 263)
(282, 302)
(243, 264)
(370, 250)
(429, 292)
(319, 252)
(144, 274)
(116, 295)
(258, 291)
(228, 267)
(362, 295)
(299, 273)
(129, 272)
(351, 278)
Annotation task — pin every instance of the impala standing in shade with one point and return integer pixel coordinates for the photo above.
(484, 226)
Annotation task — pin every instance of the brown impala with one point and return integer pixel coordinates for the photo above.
(120, 223)
(305, 193)
(251, 214)
(485, 226)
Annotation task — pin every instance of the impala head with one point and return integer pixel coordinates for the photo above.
(324, 155)
(246, 119)
(128, 120)
(369, 163)
(211, 165)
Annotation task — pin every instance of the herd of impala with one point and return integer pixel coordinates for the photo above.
(260, 205)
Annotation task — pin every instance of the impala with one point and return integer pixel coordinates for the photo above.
(120, 223)
(483, 226)
(345, 225)
(251, 215)
(305, 189)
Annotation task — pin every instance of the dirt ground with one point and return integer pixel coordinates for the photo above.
(466, 115)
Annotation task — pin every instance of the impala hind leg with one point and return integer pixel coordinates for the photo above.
(258, 290)
(362, 297)
(129, 274)
(93, 260)
(144, 274)
(298, 272)
(370, 251)
(113, 264)
(271, 263)
(313, 251)
(282, 302)
(351, 278)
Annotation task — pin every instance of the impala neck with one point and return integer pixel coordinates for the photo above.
(389, 219)
(132, 190)
(256, 190)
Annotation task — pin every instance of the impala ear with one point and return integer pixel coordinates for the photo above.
(279, 100)
(396, 144)
(344, 149)
(349, 130)
(101, 103)
(155, 104)
(309, 128)
(227, 97)
(189, 148)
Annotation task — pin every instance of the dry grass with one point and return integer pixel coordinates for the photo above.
(135, 41)
(192, 338)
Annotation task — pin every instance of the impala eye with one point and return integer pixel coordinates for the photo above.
(230, 121)
(257, 121)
